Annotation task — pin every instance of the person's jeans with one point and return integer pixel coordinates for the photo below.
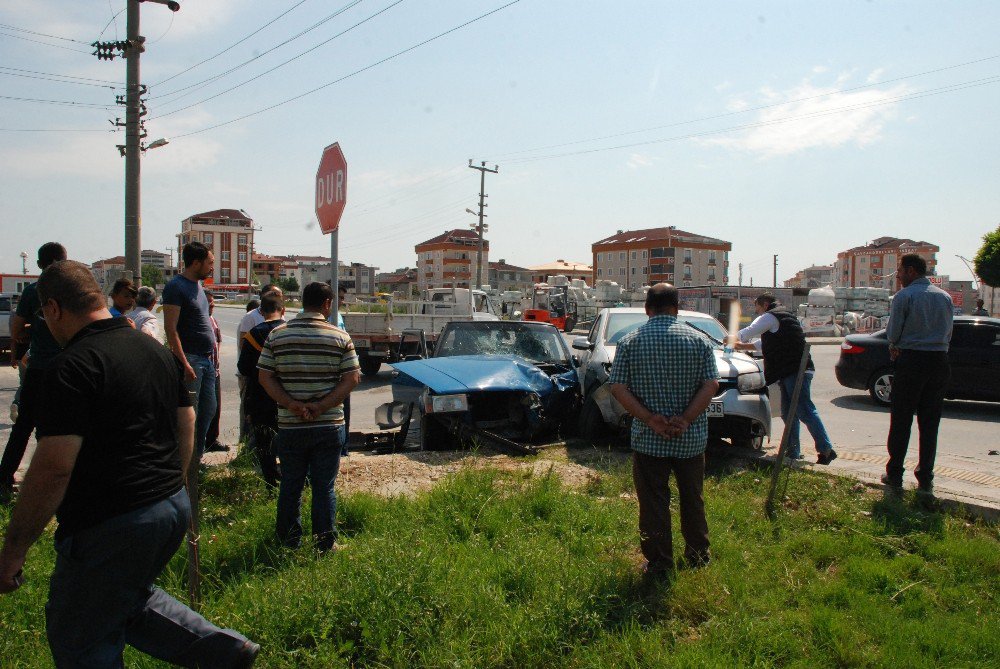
(203, 398)
(213, 427)
(806, 414)
(312, 451)
(101, 595)
(652, 488)
(919, 381)
(20, 433)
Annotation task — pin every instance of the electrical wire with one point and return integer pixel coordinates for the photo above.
(169, 26)
(54, 130)
(48, 44)
(61, 81)
(352, 74)
(71, 103)
(114, 16)
(231, 46)
(65, 76)
(204, 82)
(32, 32)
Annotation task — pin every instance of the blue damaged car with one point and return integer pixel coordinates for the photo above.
(512, 384)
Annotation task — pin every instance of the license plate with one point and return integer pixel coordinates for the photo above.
(362, 343)
(716, 410)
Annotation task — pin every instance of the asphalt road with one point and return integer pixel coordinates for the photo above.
(858, 428)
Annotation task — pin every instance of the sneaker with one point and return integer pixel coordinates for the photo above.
(892, 483)
(13, 412)
(217, 447)
(247, 655)
(826, 457)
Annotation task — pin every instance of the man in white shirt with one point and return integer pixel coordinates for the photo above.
(143, 316)
(777, 334)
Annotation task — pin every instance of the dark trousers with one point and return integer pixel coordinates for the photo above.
(918, 384)
(101, 595)
(652, 487)
(314, 453)
(17, 443)
(262, 442)
(213, 427)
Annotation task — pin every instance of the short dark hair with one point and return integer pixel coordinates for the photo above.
(252, 304)
(270, 304)
(71, 285)
(193, 252)
(661, 297)
(145, 297)
(270, 288)
(914, 262)
(123, 285)
(766, 299)
(49, 253)
(315, 294)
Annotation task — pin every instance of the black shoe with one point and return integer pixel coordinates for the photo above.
(826, 457)
(247, 655)
(925, 487)
(6, 494)
(217, 447)
(896, 485)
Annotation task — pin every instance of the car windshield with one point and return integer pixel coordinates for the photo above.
(537, 344)
(620, 325)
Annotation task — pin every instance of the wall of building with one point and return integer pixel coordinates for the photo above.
(636, 264)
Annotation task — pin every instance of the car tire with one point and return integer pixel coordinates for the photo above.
(880, 387)
(753, 442)
(592, 427)
(434, 436)
(370, 365)
(570, 324)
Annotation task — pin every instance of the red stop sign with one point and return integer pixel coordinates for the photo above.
(331, 188)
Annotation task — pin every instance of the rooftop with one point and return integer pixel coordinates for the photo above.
(562, 266)
(452, 235)
(889, 243)
(670, 233)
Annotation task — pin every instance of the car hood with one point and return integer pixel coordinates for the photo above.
(484, 373)
(730, 366)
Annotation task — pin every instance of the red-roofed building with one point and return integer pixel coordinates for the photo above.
(634, 258)
(449, 260)
(504, 276)
(571, 270)
(108, 267)
(874, 265)
(229, 233)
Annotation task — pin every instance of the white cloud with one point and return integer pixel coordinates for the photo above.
(813, 117)
(724, 86)
(638, 161)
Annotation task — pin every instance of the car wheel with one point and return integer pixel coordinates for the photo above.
(570, 324)
(754, 442)
(592, 425)
(434, 435)
(370, 365)
(880, 387)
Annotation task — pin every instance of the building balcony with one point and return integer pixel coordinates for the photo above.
(458, 261)
(458, 275)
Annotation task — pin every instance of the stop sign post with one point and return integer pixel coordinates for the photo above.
(331, 198)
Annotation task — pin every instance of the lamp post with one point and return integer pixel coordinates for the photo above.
(24, 262)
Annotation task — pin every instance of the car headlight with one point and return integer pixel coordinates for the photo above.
(752, 382)
(445, 403)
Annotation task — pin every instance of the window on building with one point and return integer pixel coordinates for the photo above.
(645, 270)
(243, 273)
(633, 255)
(224, 274)
(621, 255)
(600, 272)
(225, 255)
(621, 271)
(598, 257)
(687, 272)
(687, 284)
(687, 255)
(241, 256)
(656, 269)
(711, 257)
(633, 271)
(645, 254)
(208, 239)
(711, 275)
(241, 240)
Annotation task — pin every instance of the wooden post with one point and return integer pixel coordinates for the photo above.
(790, 419)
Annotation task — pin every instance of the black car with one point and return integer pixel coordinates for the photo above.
(974, 355)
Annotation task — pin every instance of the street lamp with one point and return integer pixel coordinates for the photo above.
(24, 262)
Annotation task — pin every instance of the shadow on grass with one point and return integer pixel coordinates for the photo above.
(909, 513)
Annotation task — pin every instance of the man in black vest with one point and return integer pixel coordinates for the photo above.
(777, 334)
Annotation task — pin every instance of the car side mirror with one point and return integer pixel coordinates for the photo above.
(582, 344)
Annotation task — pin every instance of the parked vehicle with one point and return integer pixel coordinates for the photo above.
(974, 354)
(552, 304)
(740, 411)
(386, 333)
(8, 305)
(511, 383)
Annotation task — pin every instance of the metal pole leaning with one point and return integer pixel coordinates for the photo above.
(194, 531)
(790, 419)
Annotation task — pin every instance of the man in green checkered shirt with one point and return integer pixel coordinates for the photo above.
(665, 376)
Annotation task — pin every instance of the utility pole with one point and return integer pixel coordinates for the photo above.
(250, 274)
(741, 274)
(775, 277)
(135, 130)
(482, 205)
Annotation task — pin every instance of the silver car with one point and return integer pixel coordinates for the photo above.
(740, 412)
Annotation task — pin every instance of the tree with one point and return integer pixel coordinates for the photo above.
(291, 285)
(152, 276)
(987, 260)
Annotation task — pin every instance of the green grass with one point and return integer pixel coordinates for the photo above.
(495, 569)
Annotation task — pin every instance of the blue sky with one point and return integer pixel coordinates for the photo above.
(796, 128)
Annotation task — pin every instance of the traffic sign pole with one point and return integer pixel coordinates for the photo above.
(331, 198)
(334, 274)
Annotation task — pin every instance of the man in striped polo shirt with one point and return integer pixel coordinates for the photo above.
(309, 368)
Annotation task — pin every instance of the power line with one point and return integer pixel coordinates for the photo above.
(231, 46)
(352, 74)
(70, 103)
(32, 32)
(48, 44)
(66, 76)
(114, 15)
(54, 130)
(205, 82)
(751, 109)
(61, 81)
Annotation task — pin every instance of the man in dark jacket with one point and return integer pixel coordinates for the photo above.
(777, 334)
(261, 410)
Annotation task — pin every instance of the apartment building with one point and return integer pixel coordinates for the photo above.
(107, 270)
(229, 233)
(874, 265)
(504, 276)
(155, 258)
(571, 270)
(449, 260)
(816, 276)
(634, 258)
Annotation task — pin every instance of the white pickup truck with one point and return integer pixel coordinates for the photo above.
(388, 332)
(8, 304)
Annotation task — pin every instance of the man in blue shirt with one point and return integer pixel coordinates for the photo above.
(919, 332)
(665, 376)
(190, 335)
(27, 324)
(123, 295)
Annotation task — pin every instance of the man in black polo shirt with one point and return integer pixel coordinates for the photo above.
(115, 437)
